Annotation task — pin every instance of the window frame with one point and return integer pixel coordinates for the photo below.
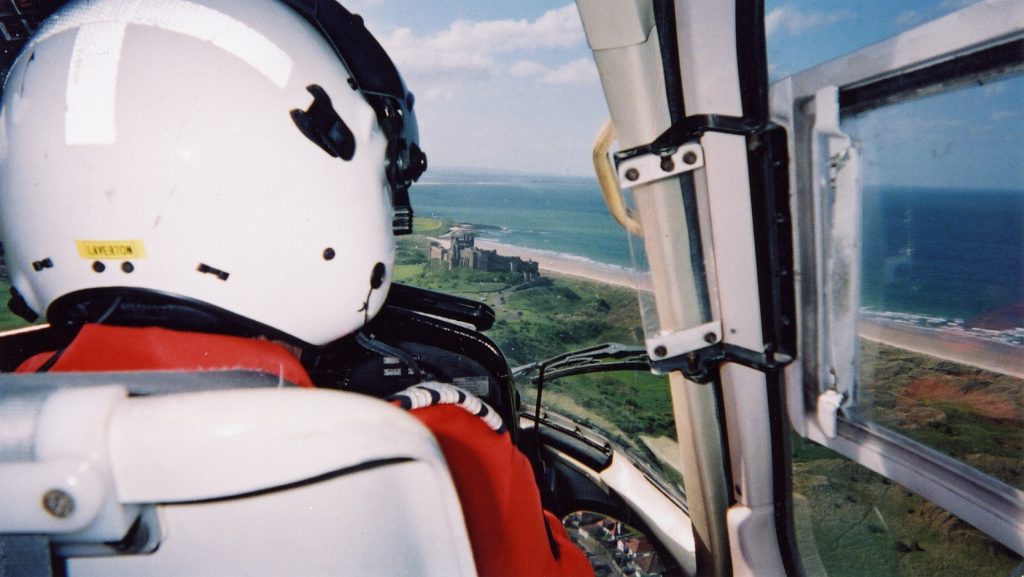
(977, 43)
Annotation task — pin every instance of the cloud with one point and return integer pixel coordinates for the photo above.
(911, 18)
(996, 89)
(908, 18)
(790, 19)
(436, 94)
(527, 68)
(474, 45)
(579, 71)
(956, 4)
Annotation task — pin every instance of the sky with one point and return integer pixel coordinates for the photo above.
(511, 86)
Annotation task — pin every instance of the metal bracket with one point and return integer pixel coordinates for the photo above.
(701, 365)
(678, 343)
(676, 151)
(650, 167)
(690, 129)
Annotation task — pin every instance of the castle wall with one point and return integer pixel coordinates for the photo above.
(462, 252)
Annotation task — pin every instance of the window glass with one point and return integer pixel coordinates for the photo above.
(942, 333)
(615, 548)
(544, 253)
(632, 409)
(853, 522)
(942, 317)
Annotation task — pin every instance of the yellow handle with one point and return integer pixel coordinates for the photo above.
(610, 183)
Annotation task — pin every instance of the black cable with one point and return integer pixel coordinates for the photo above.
(536, 408)
(50, 362)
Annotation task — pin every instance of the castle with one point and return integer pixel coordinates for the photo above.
(462, 252)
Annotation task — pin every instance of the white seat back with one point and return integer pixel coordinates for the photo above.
(278, 481)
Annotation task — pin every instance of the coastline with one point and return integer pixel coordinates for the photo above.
(954, 346)
(562, 264)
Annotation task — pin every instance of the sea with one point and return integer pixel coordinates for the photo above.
(559, 214)
(938, 257)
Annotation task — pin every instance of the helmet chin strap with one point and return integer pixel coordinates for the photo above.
(46, 366)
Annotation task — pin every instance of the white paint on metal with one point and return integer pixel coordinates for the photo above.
(647, 168)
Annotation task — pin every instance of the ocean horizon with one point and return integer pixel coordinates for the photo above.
(562, 215)
(923, 248)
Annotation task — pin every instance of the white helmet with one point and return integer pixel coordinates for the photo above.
(213, 155)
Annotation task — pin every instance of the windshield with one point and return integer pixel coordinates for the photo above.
(510, 215)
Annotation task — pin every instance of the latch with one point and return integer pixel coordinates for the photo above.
(836, 163)
(829, 403)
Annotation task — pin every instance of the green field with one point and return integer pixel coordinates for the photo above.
(856, 523)
(862, 524)
(8, 320)
(969, 413)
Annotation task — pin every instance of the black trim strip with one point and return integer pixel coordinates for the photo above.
(375, 464)
(689, 129)
(443, 305)
(665, 21)
(752, 60)
(977, 66)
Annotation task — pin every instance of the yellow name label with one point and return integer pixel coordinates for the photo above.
(110, 249)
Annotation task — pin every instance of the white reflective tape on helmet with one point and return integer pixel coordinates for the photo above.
(183, 17)
(222, 31)
(91, 95)
(91, 115)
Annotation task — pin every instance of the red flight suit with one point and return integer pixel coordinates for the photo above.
(508, 529)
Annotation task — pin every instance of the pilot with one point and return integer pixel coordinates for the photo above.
(213, 184)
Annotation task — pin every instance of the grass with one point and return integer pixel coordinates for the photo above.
(8, 320)
(542, 321)
(863, 524)
(637, 403)
(972, 414)
(426, 225)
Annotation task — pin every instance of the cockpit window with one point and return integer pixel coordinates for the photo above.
(906, 153)
(942, 305)
(514, 243)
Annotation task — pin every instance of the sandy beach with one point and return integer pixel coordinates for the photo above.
(552, 262)
(950, 345)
